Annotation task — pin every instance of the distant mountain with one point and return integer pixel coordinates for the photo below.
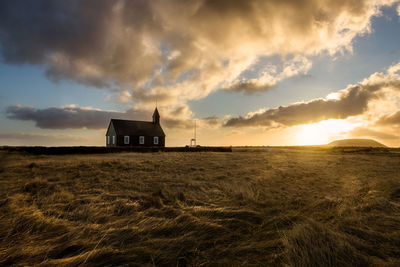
(356, 143)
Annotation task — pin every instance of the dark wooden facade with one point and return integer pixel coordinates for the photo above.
(128, 133)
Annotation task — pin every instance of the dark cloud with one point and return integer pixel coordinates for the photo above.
(64, 118)
(353, 102)
(80, 40)
(127, 44)
(349, 102)
(78, 118)
(212, 121)
(177, 123)
(249, 87)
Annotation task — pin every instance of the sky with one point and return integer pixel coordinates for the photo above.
(279, 72)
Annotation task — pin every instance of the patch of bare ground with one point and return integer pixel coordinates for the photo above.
(265, 207)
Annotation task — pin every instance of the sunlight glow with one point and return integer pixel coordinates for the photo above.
(323, 132)
(333, 96)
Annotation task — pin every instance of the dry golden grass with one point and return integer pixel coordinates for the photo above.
(247, 208)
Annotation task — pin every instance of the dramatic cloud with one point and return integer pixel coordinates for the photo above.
(62, 118)
(175, 51)
(73, 117)
(351, 101)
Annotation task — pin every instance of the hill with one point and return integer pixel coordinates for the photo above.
(356, 143)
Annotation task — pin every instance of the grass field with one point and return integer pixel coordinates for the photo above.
(251, 207)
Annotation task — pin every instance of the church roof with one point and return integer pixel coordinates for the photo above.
(145, 128)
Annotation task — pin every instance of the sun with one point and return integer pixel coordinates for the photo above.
(322, 132)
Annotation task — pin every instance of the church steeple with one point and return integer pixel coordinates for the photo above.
(156, 117)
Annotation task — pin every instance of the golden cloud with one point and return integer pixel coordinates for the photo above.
(352, 101)
(175, 51)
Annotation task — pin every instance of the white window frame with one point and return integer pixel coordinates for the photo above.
(141, 140)
(155, 140)
(113, 139)
(126, 139)
(108, 139)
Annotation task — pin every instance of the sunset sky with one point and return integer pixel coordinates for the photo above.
(279, 72)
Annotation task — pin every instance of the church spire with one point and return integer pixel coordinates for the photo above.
(156, 117)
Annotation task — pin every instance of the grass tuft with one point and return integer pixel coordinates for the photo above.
(265, 207)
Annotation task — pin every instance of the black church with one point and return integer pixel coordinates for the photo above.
(136, 133)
